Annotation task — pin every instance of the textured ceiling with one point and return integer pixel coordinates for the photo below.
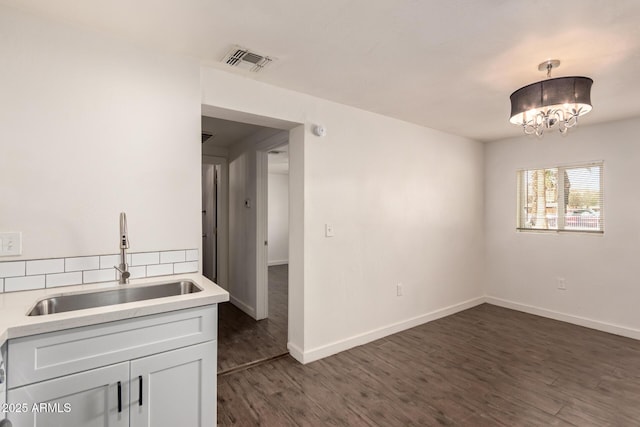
(225, 133)
(449, 65)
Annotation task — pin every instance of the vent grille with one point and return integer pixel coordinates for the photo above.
(243, 58)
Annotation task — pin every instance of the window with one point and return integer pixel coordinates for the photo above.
(562, 198)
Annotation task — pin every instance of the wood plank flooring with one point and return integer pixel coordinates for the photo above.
(487, 366)
(242, 340)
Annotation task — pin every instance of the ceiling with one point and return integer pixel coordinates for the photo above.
(449, 65)
(225, 133)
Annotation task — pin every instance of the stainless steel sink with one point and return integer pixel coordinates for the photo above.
(82, 300)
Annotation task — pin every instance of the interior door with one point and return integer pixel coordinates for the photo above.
(214, 224)
(209, 214)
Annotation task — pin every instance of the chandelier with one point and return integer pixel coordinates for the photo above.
(552, 103)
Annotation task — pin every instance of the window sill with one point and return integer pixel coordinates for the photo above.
(546, 231)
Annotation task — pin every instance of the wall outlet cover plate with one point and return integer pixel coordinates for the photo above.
(11, 243)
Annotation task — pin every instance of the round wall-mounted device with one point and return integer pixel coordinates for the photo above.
(319, 130)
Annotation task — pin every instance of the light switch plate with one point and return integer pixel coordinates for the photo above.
(10, 244)
(328, 230)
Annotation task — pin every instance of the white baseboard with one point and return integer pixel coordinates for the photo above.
(569, 318)
(251, 311)
(295, 352)
(356, 340)
(278, 262)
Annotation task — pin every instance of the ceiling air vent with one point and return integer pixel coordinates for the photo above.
(243, 58)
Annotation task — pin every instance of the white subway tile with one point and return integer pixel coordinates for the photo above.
(93, 276)
(45, 266)
(24, 283)
(145, 258)
(192, 255)
(12, 269)
(138, 272)
(172, 256)
(64, 279)
(159, 270)
(108, 261)
(185, 267)
(81, 263)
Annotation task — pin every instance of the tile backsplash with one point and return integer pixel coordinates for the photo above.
(54, 272)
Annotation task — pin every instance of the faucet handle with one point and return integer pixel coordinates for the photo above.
(125, 273)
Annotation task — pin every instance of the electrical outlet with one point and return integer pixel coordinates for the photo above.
(562, 284)
(399, 289)
(10, 244)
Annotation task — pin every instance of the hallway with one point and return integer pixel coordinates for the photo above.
(242, 340)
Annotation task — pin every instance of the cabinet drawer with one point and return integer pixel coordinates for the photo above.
(41, 357)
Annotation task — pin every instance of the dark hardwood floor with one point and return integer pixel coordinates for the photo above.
(242, 340)
(487, 366)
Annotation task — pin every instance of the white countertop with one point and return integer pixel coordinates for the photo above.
(14, 306)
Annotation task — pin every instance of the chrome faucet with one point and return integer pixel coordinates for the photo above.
(123, 268)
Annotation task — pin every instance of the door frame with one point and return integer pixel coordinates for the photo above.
(298, 132)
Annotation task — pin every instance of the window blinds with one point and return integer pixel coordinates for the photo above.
(562, 198)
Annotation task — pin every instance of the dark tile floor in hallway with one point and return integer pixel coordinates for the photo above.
(243, 340)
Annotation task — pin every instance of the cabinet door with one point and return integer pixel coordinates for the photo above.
(86, 399)
(178, 388)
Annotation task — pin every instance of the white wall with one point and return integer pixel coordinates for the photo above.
(406, 204)
(278, 217)
(601, 271)
(92, 126)
(242, 231)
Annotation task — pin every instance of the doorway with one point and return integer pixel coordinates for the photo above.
(249, 332)
(278, 241)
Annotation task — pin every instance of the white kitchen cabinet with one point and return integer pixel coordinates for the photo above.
(88, 399)
(176, 388)
(92, 375)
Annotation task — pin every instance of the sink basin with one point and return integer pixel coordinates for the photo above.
(82, 300)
